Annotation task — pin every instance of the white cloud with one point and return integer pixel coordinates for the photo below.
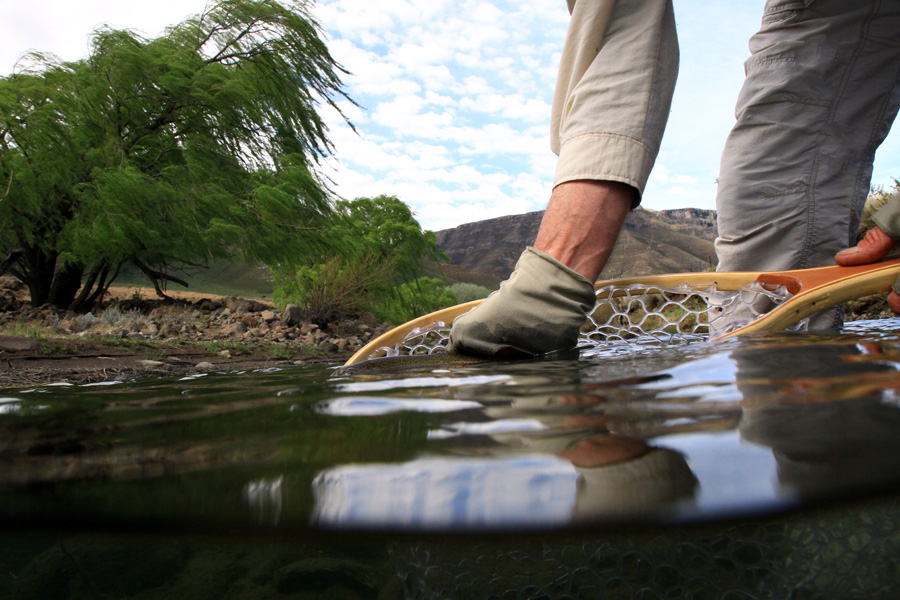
(63, 26)
(454, 95)
(663, 175)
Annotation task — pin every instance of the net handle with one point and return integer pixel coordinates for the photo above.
(814, 290)
(818, 289)
(392, 337)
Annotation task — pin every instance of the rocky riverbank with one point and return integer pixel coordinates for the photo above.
(135, 336)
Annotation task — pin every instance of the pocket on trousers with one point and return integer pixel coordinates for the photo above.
(782, 10)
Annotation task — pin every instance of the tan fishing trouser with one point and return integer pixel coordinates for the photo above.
(820, 94)
(614, 90)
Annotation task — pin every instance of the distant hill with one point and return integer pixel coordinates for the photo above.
(667, 241)
(485, 252)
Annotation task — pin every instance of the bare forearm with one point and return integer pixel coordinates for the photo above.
(582, 223)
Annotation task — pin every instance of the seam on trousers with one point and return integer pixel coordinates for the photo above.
(772, 12)
(593, 176)
(608, 134)
(810, 213)
(797, 188)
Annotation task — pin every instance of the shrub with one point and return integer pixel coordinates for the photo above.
(414, 299)
(332, 290)
(378, 247)
(466, 292)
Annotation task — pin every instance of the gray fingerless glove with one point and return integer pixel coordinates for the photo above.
(539, 309)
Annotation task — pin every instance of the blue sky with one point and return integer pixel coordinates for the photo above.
(455, 95)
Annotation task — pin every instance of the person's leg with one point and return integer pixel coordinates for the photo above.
(613, 93)
(820, 95)
(614, 90)
(612, 98)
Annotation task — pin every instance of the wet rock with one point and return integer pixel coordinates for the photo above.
(233, 329)
(244, 305)
(169, 330)
(84, 322)
(328, 347)
(206, 305)
(292, 315)
(369, 319)
(317, 574)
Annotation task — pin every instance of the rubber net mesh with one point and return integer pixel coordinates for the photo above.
(843, 553)
(628, 318)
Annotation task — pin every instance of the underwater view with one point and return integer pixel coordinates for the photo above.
(763, 466)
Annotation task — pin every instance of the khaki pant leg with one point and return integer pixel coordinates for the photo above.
(820, 95)
(887, 218)
(614, 90)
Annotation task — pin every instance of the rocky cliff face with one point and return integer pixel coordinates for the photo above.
(491, 246)
(667, 241)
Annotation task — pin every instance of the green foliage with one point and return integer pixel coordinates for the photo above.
(413, 299)
(385, 229)
(166, 153)
(333, 289)
(466, 292)
(377, 246)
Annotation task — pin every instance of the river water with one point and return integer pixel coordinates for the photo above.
(760, 467)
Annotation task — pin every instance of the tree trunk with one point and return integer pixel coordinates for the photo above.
(96, 284)
(80, 302)
(65, 285)
(37, 272)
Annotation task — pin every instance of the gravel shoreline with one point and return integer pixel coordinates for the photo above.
(133, 338)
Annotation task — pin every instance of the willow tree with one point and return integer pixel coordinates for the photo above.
(197, 145)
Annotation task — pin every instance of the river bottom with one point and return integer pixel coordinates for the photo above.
(844, 550)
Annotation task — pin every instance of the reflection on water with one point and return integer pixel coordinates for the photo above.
(769, 462)
(473, 493)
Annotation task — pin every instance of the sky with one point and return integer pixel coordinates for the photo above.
(453, 96)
